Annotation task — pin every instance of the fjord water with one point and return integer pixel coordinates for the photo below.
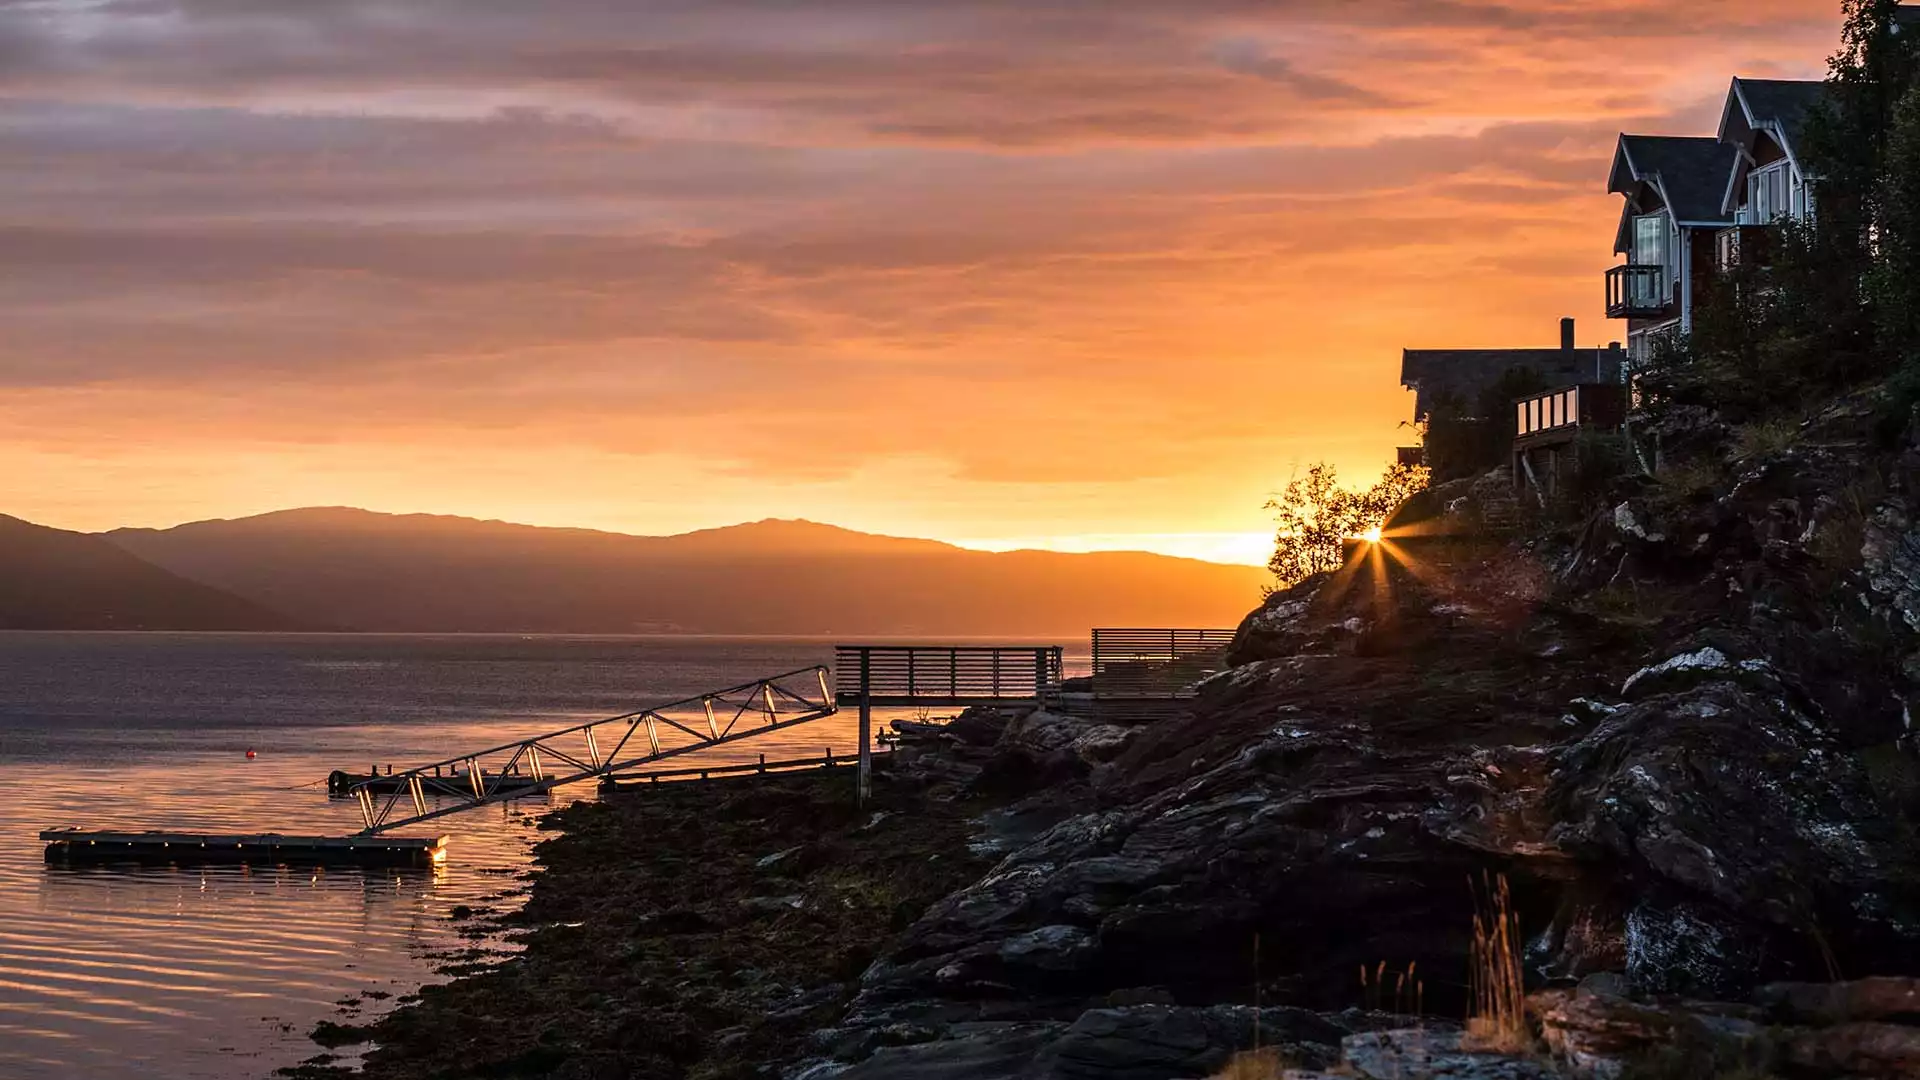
(221, 971)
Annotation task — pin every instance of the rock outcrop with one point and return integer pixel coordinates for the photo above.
(1675, 727)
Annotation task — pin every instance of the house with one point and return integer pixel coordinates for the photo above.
(1547, 428)
(1464, 397)
(1675, 189)
(1699, 205)
(1763, 121)
(1454, 383)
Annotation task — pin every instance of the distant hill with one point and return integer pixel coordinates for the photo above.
(426, 573)
(51, 579)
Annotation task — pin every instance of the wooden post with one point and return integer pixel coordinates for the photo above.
(866, 722)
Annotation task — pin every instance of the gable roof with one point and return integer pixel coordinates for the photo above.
(1688, 173)
(1778, 108)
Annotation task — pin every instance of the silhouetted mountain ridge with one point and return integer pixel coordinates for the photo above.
(52, 579)
(419, 572)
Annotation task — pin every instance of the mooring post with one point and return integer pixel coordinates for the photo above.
(866, 724)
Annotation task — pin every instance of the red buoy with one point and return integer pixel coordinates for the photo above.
(249, 752)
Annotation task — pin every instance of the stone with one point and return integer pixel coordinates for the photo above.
(769, 861)
(1433, 1054)
(1599, 1034)
(772, 905)
(1861, 1049)
(1159, 1042)
(1837, 1003)
(979, 1052)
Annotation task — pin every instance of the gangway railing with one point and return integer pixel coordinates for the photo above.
(883, 676)
(594, 749)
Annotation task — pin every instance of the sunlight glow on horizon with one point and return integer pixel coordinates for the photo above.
(1100, 281)
(1237, 548)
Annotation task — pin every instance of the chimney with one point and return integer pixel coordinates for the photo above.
(1566, 334)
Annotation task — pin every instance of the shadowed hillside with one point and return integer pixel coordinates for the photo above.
(56, 580)
(424, 573)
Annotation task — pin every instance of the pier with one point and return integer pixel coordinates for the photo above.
(947, 676)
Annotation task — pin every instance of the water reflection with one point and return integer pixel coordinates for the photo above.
(143, 970)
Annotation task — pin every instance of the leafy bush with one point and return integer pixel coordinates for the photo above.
(1316, 516)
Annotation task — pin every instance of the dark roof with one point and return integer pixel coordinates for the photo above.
(1689, 172)
(1462, 375)
(1786, 102)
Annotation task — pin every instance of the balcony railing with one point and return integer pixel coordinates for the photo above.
(1743, 246)
(1545, 412)
(1558, 414)
(1638, 292)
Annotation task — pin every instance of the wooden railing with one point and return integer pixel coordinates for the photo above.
(1549, 411)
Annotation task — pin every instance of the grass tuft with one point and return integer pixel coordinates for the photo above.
(1263, 1064)
(1764, 439)
(1499, 991)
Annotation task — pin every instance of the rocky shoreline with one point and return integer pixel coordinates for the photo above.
(683, 929)
(1674, 730)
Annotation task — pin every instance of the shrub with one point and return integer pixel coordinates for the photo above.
(1316, 516)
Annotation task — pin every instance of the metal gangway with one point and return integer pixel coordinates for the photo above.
(595, 749)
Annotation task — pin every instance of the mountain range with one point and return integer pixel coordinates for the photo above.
(51, 579)
(338, 568)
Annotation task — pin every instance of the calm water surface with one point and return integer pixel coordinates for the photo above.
(220, 972)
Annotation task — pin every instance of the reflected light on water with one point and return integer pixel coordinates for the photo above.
(220, 971)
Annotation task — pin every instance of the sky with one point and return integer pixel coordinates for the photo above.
(1067, 273)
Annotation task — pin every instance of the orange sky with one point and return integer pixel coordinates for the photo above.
(1050, 272)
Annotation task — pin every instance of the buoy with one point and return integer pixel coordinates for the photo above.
(249, 753)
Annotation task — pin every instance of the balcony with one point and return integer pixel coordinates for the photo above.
(1560, 413)
(1639, 292)
(1551, 411)
(1743, 247)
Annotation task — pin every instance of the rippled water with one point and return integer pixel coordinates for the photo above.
(220, 972)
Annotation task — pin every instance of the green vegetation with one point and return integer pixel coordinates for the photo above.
(1316, 516)
(1838, 303)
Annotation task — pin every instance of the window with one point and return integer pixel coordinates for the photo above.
(1650, 240)
(1768, 197)
(1520, 417)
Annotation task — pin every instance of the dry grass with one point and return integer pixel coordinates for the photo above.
(1684, 480)
(1499, 991)
(1264, 1064)
(1764, 439)
(1400, 992)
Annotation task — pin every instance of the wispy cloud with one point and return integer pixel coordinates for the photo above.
(1139, 256)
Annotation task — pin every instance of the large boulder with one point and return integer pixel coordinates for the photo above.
(1750, 844)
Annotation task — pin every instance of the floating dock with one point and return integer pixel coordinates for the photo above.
(80, 846)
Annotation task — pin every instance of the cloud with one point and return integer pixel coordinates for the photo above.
(1125, 253)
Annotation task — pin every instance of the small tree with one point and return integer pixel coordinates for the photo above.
(1316, 516)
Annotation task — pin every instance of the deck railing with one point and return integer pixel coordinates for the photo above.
(1132, 662)
(945, 674)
